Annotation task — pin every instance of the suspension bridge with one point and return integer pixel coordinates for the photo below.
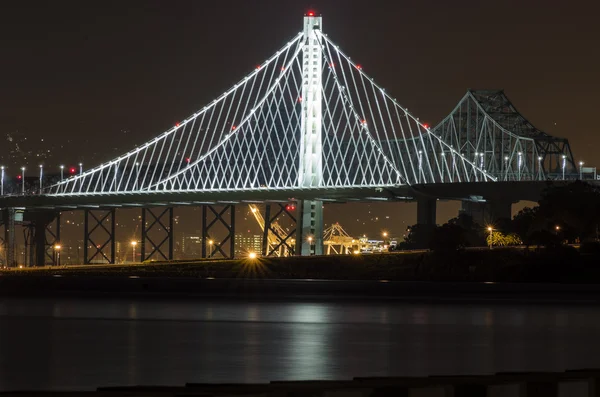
(308, 126)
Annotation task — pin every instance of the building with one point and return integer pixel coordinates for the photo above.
(191, 246)
(245, 243)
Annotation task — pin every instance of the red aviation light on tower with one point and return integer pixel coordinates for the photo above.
(359, 67)
(310, 13)
(72, 170)
(426, 126)
(177, 124)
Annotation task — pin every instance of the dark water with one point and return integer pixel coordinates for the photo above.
(82, 344)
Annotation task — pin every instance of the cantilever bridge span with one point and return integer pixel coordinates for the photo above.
(309, 125)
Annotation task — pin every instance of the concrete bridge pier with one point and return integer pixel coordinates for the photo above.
(426, 211)
(8, 218)
(309, 228)
(41, 244)
(488, 212)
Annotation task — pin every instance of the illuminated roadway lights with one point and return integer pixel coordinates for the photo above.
(564, 165)
(491, 230)
(210, 243)
(540, 167)
(505, 167)
(23, 180)
(581, 170)
(2, 181)
(80, 168)
(62, 172)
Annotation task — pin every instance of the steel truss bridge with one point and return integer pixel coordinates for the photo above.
(308, 125)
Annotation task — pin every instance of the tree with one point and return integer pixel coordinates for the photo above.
(574, 208)
(500, 239)
(524, 223)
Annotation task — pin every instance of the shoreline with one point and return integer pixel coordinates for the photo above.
(107, 287)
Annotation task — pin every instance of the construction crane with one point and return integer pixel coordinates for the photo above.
(337, 240)
(273, 239)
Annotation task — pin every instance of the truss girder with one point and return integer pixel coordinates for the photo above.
(486, 128)
(250, 137)
(161, 243)
(98, 237)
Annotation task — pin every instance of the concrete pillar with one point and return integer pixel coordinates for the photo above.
(309, 228)
(488, 212)
(426, 211)
(9, 236)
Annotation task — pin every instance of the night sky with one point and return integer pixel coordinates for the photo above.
(96, 78)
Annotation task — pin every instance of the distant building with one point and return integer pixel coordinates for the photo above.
(245, 243)
(191, 246)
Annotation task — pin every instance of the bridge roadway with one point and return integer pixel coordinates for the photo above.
(481, 199)
(512, 191)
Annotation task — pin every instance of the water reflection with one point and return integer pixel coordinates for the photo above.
(77, 344)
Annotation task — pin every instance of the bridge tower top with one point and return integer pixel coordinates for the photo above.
(311, 120)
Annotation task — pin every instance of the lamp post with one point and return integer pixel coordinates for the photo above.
(41, 176)
(57, 248)
(540, 168)
(80, 168)
(62, 172)
(581, 170)
(133, 244)
(23, 180)
(564, 165)
(491, 230)
(2, 182)
(210, 244)
(505, 168)
(310, 239)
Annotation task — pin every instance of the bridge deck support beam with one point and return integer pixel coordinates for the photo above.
(488, 212)
(210, 245)
(309, 238)
(163, 223)
(99, 236)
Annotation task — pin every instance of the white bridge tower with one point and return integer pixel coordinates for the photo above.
(309, 239)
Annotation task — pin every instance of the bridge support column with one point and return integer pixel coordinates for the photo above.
(211, 245)
(282, 239)
(309, 237)
(8, 217)
(99, 236)
(162, 223)
(488, 212)
(426, 211)
(43, 239)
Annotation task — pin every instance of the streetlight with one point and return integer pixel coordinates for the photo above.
(2, 182)
(540, 167)
(57, 248)
(564, 165)
(62, 172)
(23, 180)
(41, 176)
(581, 170)
(133, 244)
(491, 230)
(80, 168)
(210, 243)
